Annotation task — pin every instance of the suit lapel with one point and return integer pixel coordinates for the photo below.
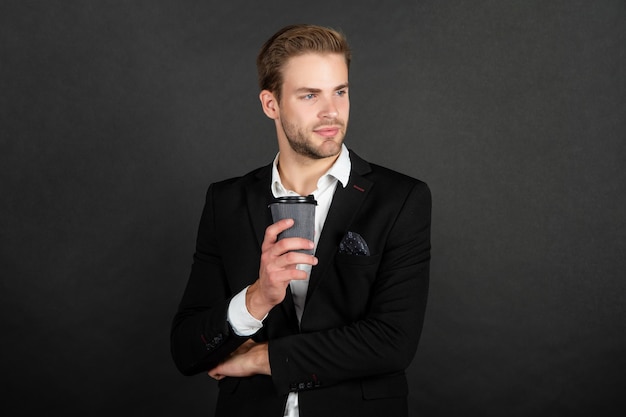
(259, 196)
(346, 203)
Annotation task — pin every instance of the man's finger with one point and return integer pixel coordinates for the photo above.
(292, 244)
(291, 259)
(272, 231)
(216, 376)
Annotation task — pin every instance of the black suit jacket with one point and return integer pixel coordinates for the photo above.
(363, 314)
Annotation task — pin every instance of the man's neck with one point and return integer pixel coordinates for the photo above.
(302, 174)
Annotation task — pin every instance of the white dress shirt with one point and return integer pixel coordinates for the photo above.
(243, 323)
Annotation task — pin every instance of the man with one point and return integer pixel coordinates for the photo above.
(286, 332)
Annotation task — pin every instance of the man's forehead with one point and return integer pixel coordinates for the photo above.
(325, 69)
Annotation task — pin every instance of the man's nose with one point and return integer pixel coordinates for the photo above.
(329, 109)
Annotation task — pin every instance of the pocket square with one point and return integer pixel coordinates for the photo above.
(353, 244)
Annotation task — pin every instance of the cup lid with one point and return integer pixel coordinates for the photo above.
(295, 199)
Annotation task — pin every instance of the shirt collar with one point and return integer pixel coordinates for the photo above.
(340, 170)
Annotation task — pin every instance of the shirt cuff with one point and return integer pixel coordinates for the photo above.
(240, 319)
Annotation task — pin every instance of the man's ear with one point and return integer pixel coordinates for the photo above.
(269, 104)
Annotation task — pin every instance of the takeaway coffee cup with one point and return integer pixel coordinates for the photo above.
(302, 211)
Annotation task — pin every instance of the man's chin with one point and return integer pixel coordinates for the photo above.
(330, 149)
(327, 148)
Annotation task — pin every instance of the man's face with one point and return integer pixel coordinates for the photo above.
(314, 106)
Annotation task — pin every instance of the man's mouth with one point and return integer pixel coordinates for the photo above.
(327, 131)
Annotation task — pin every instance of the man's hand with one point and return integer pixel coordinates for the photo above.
(249, 359)
(278, 268)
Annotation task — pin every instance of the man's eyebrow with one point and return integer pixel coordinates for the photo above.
(308, 90)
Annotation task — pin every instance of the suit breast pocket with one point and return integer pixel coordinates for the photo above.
(355, 269)
(348, 289)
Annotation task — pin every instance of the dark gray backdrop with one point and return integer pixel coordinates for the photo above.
(116, 115)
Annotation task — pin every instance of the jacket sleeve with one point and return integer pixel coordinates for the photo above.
(200, 335)
(385, 340)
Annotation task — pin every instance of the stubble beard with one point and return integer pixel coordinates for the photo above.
(300, 143)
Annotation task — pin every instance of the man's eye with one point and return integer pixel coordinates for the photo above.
(342, 93)
(309, 96)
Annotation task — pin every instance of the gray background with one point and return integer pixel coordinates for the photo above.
(116, 115)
